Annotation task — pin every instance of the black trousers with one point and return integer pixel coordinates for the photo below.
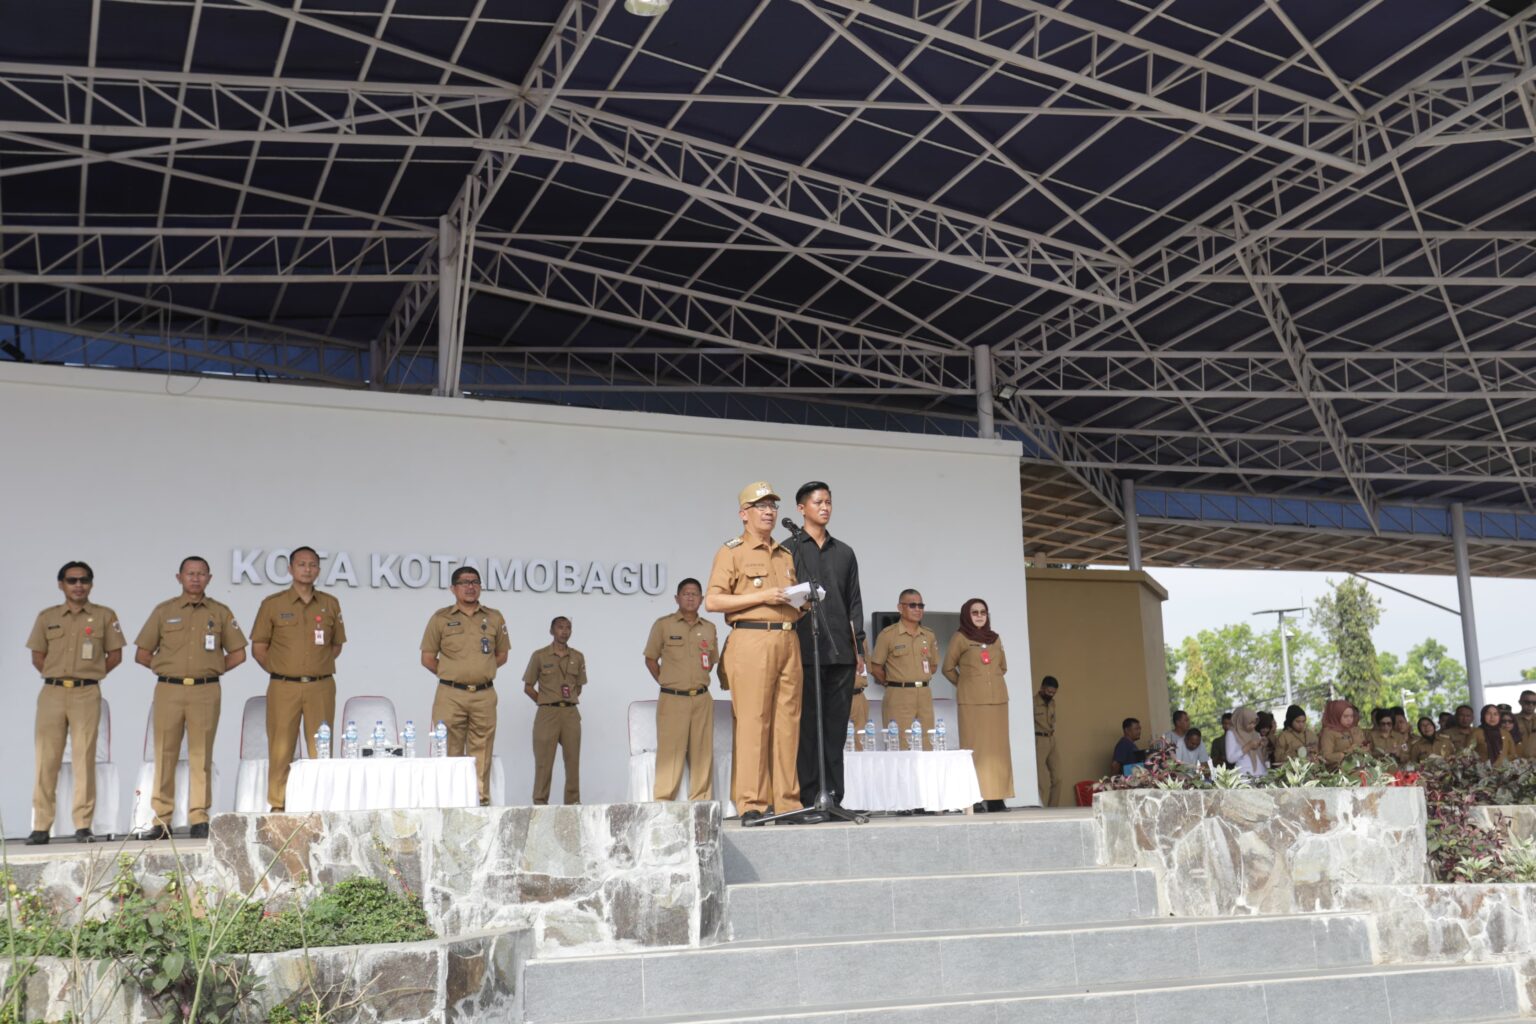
(836, 700)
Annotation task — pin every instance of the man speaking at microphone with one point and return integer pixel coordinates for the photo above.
(832, 565)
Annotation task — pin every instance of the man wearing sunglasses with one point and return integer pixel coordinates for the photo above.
(465, 643)
(74, 645)
(905, 658)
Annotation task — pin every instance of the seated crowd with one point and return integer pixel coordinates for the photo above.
(1253, 742)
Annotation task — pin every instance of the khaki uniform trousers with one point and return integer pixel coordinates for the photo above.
(764, 669)
(74, 712)
(1045, 770)
(287, 703)
(904, 703)
(858, 714)
(195, 710)
(471, 722)
(685, 730)
(554, 726)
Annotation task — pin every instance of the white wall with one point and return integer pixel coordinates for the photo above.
(130, 472)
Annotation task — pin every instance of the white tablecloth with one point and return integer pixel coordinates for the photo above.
(382, 783)
(901, 780)
(642, 780)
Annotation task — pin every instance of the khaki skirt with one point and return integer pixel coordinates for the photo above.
(984, 730)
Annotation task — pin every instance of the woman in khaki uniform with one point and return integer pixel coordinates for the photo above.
(1429, 743)
(1492, 743)
(976, 664)
(1340, 736)
(1295, 739)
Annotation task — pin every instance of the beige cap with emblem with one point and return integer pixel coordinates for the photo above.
(755, 492)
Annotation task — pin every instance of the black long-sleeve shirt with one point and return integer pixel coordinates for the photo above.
(836, 568)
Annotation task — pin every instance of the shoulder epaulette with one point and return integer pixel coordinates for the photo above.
(734, 542)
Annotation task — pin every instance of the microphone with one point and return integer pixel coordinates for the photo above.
(789, 524)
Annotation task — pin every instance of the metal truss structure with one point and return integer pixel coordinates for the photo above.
(1274, 261)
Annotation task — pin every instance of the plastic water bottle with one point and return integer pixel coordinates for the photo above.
(848, 743)
(440, 740)
(349, 739)
(870, 732)
(940, 742)
(408, 738)
(915, 735)
(323, 742)
(892, 735)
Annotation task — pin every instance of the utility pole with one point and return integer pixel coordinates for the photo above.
(1285, 648)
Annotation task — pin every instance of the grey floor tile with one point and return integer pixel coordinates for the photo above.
(1071, 898)
(1007, 963)
(824, 909)
(1228, 1004)
(848, 974)
(736, 980)
(1419, 997)
(581, 990)
(956, 903)
(1360, 999)
(1135, 954)
(1242, 947)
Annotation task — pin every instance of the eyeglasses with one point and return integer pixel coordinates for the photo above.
(765, 506)
(467, 583)
(1524, 703)
(77, 580)
(915, 604)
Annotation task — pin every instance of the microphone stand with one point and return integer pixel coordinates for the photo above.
(825, 808)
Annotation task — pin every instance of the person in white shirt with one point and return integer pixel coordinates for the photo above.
(1175, 737)
(1247, 750)
(1190, 749)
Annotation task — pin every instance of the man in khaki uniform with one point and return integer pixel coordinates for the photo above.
(1462, 735)
(465, 643)
(858, 711)
(762, 658)
(679, 654)
(905, 658)
(1526, 718)
(296, 639)
(74, 645)
(1046, 776)
(554, 680)
(188, 643)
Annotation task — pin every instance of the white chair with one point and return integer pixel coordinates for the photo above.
(367, 710)
(498, 770)
(109, 785)
(642, 754)
(251, 777)
(144, 786)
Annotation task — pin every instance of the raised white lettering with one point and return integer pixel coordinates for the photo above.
(569, 581)
(626, 578)
(243, 567)
(505, 578)
(444, 565)
(541, 576)
(277, 568)
(383, 572)
(653, 578)
(597, 580)
(341, 571)
(415, 570)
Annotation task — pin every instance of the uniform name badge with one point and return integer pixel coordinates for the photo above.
(87, 646)
(986, 659)
(209, 642)
(926, 669)
(485, 645)
(319, 632)
(565, 691)
(704, 655)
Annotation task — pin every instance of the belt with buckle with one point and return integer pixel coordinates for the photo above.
(559, 704)
(70, 684)
(187, 680)
(685, 693)
(470, 687)
(300, 679)
(905, 686)
(763, 625)
(1046, 735)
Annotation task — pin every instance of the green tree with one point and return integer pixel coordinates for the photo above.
(1193, 692)
(1528, 673)
(1345, 617)
(1427, 681)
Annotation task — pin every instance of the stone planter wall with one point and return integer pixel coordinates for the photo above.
(1516, 819)
(1461, 922)
(468, 980)
(76, 884)
(586, 878)
(1264, 851)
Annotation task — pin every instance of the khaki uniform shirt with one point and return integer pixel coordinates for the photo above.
(467, 642)
(1045, 717)
(75, 644)
(288, 624)
(1421, 748)
(906, 657)
(1289, 743)
(1459, 736)
(1507, 751)
(557, 677)
(977, 671)
(1527, 723)
(1336, 746)
(178, 631)
(746, 565)
(1392, 744)
(686, 650)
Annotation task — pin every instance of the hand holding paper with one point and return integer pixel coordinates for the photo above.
(801, 592)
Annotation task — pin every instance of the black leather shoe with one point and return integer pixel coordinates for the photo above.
(996, 807)
(198, 831)
(83, 835)
(747, 818)
(153, 834)
(980, 808)
(37, 838)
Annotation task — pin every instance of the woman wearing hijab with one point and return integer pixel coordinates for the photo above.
(1491, 740)
(1247, 750)
(1429, 742)
(1340, 736)
(1295, 739)
(976, 664)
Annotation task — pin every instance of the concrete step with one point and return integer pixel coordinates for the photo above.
(748, 976)
(885, 906)
(893, 846)
(1459, 994)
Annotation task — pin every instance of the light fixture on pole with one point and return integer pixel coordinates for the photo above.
(1006, 392)
(1285, 648)
(647, 8)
